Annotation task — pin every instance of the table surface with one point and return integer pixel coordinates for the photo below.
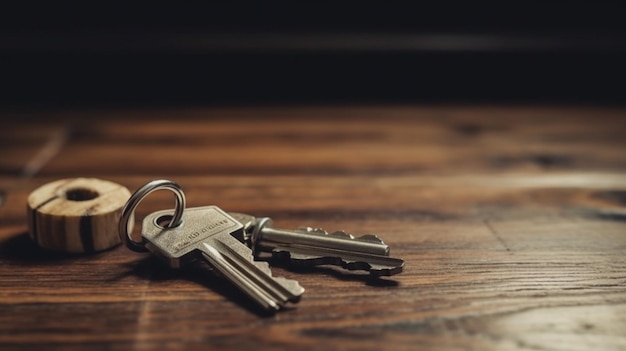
(511, 221)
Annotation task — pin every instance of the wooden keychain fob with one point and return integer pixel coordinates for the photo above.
(78, 215)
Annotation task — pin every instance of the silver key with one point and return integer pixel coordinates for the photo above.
(205, 232)
(308, 246)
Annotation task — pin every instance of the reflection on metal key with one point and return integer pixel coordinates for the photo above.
(207, 232)
(308, 246)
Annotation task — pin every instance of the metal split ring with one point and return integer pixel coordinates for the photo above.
(129, 210)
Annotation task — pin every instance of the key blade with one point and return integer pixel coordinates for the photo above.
(271, 238)
(255, 278)
(376, 265)
(223, 266)
(242, 255)
(321, 232)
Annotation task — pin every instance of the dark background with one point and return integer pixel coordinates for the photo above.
(294, 52)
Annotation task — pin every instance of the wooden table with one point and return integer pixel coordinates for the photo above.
(511, 221)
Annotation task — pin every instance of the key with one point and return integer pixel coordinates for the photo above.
(205, 233)
(312, 247)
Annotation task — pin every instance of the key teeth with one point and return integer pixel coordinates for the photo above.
(240, 257)
(306, 260)
(320, 231)
(309, 230)
(374, 270)
(292, 256)
(263, 266)
(292, 286)
(371, 238)
(341, 234)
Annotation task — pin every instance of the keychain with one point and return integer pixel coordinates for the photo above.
(85, 215)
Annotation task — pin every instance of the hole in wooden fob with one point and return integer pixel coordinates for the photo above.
(81, 194)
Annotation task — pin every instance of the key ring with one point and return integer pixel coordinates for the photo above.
(136, 198)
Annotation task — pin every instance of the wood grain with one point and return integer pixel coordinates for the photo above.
(76, 215)
(511, 220)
